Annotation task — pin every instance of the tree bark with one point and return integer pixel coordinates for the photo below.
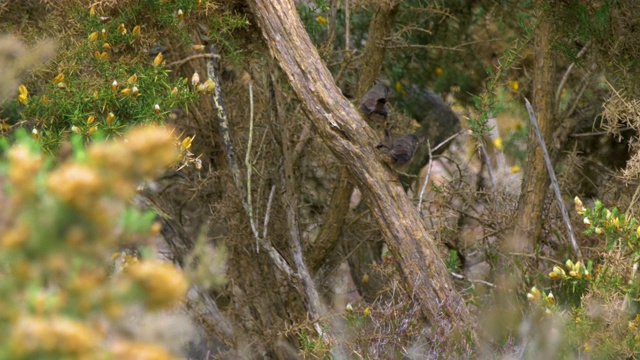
(535, 180)
(336, 213)
(353, 142)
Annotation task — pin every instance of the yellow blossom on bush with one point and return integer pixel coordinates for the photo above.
(139, 351)
(23, 95)
(497, 142)
(155, 145)
(32, 335)
(76, 184)
(23, 165)
(163, 284)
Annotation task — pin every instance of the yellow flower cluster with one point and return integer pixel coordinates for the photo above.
(163, 284)
(23, 165)
(60, 335)
(576, 270)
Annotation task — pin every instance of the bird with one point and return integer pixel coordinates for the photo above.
(374, 102)
(401, 149)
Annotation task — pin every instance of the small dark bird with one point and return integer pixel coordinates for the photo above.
(401, 149)
(374, 102)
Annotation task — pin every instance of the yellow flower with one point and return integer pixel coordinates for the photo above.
(93, 36)
(158, 60)
(136, 31)
(114, 86)
(349, 308)
(163, 284)
(514, 85)
(439, 71)
(126, 91)
(400, 89)
(58, 79)
(23, 95)
(15, 237)
(195, 79)
(209, 85)
(68, 338)
(186, 142)
(104, 34)
(497, 142)
(75, 184)
(616, 223)
(133, 79)
(321, 19)
(92, 11)
(123, 349)
(154, 144)
(110, 118)
(121, 29)
(580, 209)
(515, 169)
(367, 311)
(91, 119)
(93, 129)
(550, 299)
(106, 46)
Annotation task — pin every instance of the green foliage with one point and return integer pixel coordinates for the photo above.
(103, 83)
(453, 261)
(221, 29)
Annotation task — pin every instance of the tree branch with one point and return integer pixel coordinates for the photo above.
(353, 142)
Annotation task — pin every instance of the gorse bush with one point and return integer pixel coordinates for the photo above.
(112, 72)
(595, 302)
(60, 295)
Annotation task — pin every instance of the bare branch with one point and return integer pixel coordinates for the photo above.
(554, 180)
(426, 178)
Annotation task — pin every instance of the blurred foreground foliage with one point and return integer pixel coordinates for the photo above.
(62, 292)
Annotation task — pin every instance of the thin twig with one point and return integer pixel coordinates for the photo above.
(566, 76)
(445, 141)
(232, 160)
(487, 161)
(347, 25)
(462, 277)
(554, 181)
(266, 215)
(426, 178)
(180, 62)
(247, 163)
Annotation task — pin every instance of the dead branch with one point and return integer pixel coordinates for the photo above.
(554, 180)
(232, 161)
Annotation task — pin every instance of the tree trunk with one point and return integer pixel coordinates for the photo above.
(535, 180)
(353, 142)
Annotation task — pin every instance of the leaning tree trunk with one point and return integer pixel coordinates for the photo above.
(361, 256)
(535, 180)
(353, 142)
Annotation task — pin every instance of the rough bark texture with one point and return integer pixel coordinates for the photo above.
(331, 230)
(353, 142)
(535, 180)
